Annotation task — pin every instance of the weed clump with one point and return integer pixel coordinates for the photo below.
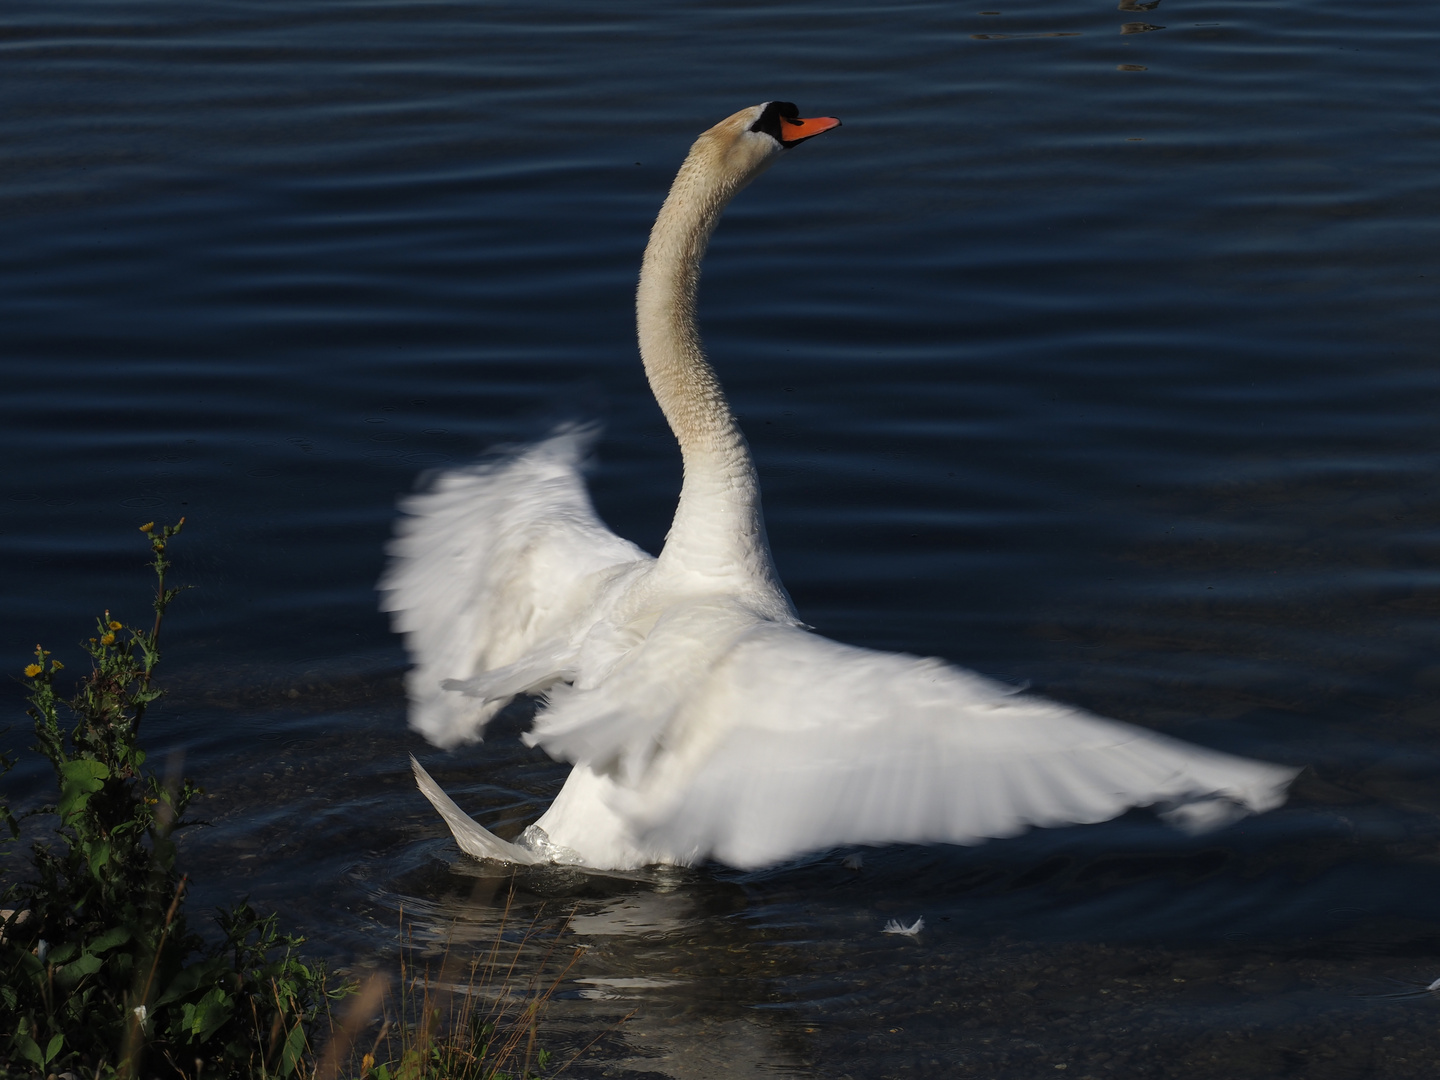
(100, 971)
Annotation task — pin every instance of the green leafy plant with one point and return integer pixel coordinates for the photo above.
(99, 968)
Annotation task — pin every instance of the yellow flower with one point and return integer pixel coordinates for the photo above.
(367, 1063)
(114, 626)
(56, 665)
(107, 639)
(33, 669)
(147, 526)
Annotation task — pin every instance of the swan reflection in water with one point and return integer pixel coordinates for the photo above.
(702, 718)
(661, 1010)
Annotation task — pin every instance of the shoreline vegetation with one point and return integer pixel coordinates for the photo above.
(102, 973)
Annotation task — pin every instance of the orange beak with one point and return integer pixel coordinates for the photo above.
(796, 131)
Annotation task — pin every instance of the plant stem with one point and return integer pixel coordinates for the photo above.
(136, 1037)
(157, 545)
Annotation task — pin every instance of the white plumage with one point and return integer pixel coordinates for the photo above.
(702, 718)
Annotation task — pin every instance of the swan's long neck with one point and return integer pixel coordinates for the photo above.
(719, 531)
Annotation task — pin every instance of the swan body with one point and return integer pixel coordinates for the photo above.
(702, 719)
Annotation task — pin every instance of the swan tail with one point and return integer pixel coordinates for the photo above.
(472, 837)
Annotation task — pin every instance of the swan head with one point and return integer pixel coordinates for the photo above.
(781, 121)
(744, 145)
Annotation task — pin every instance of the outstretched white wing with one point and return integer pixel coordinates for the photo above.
(791, 743)
(492, 574)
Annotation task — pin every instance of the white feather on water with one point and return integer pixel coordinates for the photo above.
(895, 926)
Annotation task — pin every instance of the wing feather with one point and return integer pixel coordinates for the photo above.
(790, 743)
(496, 566)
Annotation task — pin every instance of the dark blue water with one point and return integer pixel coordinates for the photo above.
(1096, 350)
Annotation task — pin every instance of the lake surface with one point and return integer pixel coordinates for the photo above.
(1097, 351)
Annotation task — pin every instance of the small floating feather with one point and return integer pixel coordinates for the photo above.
(895, 926)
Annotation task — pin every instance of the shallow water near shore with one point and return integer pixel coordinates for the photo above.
(1095, 352)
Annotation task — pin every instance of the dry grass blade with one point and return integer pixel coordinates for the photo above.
(363, 1009)
(475, 1019)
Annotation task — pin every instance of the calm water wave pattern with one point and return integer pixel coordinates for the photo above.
(1096, 351)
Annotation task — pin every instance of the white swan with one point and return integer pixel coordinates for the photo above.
(702, 718)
